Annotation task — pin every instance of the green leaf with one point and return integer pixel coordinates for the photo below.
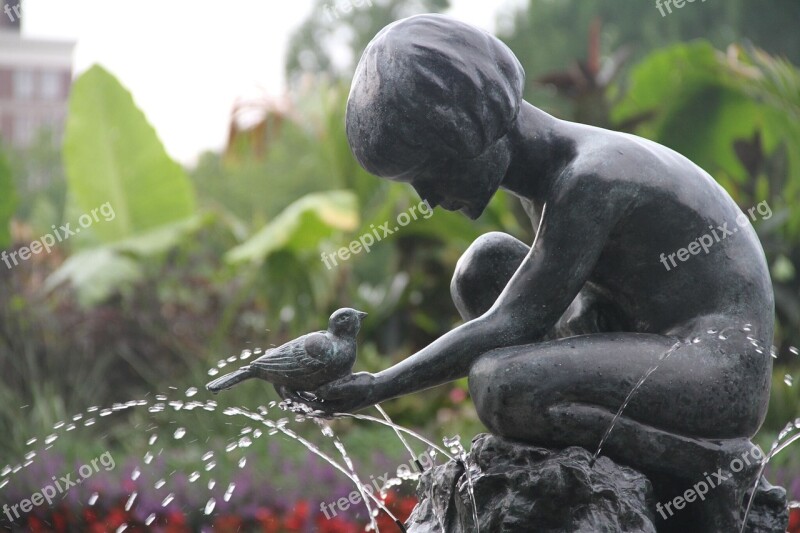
(8, 201)
(112, 155)
(95, 274)
(301, 226)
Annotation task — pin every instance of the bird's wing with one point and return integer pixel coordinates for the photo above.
(304, 355)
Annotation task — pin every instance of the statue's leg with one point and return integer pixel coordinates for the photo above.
(489, 263)
(483, 271)
(690, 418)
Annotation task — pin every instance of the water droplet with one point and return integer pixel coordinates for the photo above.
(222, 363)
(89, 422)
(191, 391)
(711, 331)
(207, 456)
(157, 408)
(77, 417)
(135, 474)
(31, 441)
(257, 433)
(211, 484)
(327, 431)
(794, 350)
(122, 528)
(168, 500)
(230, 447)
(93, 498)
(176, 404)
(246, 354)
(50, 439)
(180, 432)
(213, 372)
(30, 455)
(696, 340)
(210, 466)
(58, 425)
(243, 461)
(92, 409)
(210, 506)
(70, 427)
(105, 412)
(722, 337)
(6, 471)
(148, 458)
(229, 492)
(150, 519)
(4, 483)
(152, 440)
(194, 476)
(129, 503)
(789, 380)
(232, 359)
(161, 397)
(160, 483)
(245, 442)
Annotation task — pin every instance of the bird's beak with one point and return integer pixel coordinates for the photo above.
(361, 314)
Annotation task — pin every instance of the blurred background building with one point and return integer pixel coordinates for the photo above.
(35, 77)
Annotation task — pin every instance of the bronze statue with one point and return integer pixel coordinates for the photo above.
(558, 333)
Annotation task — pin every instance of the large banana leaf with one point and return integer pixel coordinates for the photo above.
(112, 154)
(301, 226)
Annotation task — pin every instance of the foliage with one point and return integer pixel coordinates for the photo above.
(8, 201)
(114, 159)
(357, 21)
(536, 31)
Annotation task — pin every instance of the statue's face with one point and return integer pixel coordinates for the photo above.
(465, 185)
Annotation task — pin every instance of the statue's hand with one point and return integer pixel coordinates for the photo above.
(344, 395)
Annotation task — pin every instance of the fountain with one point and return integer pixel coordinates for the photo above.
(620, 395)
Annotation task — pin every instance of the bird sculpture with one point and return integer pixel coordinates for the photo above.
(305, 363)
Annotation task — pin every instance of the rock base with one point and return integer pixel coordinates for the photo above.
(522, 488)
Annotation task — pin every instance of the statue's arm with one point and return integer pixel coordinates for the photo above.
(572, 233)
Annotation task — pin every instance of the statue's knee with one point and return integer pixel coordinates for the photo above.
(496, 394)
(483, 390)
(483, 271)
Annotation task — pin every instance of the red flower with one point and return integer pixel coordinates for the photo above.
(176, 523)
(268, 520)
(298, 517)
(115, 518)
(228, 524)
(794, 520)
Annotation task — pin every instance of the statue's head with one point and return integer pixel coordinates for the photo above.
(431, 103)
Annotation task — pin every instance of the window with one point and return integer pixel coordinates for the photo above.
(23, 84)
(51, 86)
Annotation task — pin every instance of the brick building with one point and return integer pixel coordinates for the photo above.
(35, 77)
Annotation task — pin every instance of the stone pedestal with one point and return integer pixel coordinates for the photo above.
(523, 488)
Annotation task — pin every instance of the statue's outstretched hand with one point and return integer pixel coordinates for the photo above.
(343, 395)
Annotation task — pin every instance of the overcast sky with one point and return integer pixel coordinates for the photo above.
(187, 61)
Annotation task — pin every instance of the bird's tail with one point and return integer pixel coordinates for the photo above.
(229, 380)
